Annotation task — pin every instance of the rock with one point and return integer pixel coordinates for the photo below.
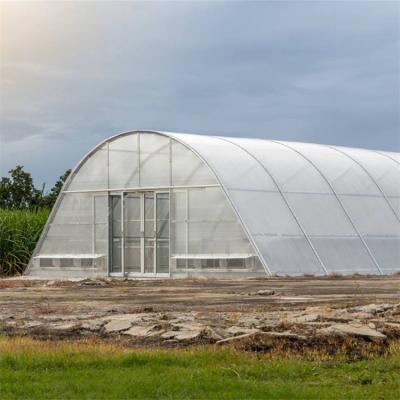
(191, 334)
(352, 329)
(372, 308)
(140, 331)
(239, 330)
(32, 324)
(64, 327)
(258, 335)
(305, 318)
(285, 334)
(92, 324)
(117, 325)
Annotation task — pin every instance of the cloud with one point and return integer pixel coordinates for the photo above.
(72, 74)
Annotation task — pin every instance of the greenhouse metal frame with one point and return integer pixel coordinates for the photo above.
(159, 204)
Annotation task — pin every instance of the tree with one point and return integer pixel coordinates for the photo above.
(18, 191)
(51, 198)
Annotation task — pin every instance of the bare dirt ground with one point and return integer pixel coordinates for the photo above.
(255, 314)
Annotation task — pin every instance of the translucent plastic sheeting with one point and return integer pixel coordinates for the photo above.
(141, 160)
(320, 214)
(79, 226)
(187, 168)
(154, 160)
(203, 223)
(384, 170)
(344, 255)
(257, 200)
(386, 251)
(290, 170)
(265, 212)
(93, 173)
(235, 168)
(395, 203)
(343, 174)
(371, 215)
(124, 162)
(289, 255)
(305, 207)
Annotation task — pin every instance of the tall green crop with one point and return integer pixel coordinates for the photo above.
(19, 232)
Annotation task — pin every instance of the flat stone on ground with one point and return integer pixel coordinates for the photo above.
(117, 325)
(349, 329)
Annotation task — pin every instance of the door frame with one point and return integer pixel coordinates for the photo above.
(140, 274)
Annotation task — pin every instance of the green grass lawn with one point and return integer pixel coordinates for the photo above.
(44, 370)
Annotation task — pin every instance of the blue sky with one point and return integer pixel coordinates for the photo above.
(72, 74)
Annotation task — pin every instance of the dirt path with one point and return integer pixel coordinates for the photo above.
(187, 311)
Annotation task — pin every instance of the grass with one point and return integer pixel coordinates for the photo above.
(19, 232)
(93, 370)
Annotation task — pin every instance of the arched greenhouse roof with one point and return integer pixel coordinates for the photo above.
(306, 208)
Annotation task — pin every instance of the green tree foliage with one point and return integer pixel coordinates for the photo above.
(51, 197)
(18, 191)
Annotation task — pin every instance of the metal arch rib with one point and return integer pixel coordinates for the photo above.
(383, 154)
(338, 199)
(370, 177)
(284, 199)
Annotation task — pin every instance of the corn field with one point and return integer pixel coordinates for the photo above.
(19, 232)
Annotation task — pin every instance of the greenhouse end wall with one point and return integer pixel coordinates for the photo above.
(106, 219)
(166, 204)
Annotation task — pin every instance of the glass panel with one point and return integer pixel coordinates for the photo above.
(116, 255)
(132, 214)
(148, 256)
(149, 215)
(116, 234)
(132, 255)
(162, 215)
(116, 216)
(163, 256)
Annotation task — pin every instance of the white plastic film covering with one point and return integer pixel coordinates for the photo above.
(204, 226)
(187, 168)
(290, 170)
(93, 173)
(140, 160)
(123, 162)
(381, 167)
(79, 226)
(306, 208)
(154, 160)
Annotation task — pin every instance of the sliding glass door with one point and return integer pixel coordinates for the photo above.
(139, 234)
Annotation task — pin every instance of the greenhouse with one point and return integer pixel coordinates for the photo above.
(156, 204)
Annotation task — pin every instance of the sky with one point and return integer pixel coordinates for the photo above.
(75, 73)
